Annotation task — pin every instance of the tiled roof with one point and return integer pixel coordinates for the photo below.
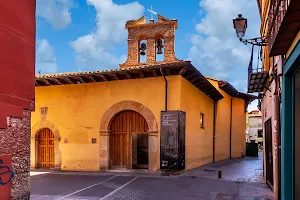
(90, 72)
(229, 89)
(184, 68)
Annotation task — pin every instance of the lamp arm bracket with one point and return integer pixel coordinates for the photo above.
(258, 41)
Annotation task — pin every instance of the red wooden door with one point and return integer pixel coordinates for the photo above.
(46, 149)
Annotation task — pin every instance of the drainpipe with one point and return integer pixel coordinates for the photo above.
(230, 136)
(166, 90)
(214, 131)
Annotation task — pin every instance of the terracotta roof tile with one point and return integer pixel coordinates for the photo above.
(174, 68)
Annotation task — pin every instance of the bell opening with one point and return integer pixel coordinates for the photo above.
(159, 50)
(142, 51)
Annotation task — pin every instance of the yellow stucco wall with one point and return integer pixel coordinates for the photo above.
(222, 137)
(76, 111)
(238, 139)
(199, 141)
(223, 128)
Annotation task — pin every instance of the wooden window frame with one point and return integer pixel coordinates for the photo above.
(202, 120)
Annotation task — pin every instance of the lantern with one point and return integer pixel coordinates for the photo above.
(240, 25)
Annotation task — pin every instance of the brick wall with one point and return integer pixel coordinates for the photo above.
(150, 32)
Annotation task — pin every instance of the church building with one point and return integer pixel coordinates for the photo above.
(122, 118)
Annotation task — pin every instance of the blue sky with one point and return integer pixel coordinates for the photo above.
(81, 35)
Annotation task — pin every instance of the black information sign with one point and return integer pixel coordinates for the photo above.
(172, 140)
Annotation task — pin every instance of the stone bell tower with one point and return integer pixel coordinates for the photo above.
(149, 41)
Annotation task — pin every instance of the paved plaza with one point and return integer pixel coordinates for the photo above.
(241, 180)
(249, 169)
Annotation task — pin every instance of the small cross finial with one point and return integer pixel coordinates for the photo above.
(152, 12)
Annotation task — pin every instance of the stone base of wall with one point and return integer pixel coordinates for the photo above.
(15, 140)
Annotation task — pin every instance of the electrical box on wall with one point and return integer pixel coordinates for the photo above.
(94, 141)
(172, 141)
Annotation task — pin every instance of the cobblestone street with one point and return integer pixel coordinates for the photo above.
(242, 180)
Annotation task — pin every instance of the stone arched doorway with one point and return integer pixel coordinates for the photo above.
(105, 132)
(45, 131)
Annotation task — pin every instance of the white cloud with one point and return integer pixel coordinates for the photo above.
(97, 49)
(45, 57)
(216, 51)
(56, 12)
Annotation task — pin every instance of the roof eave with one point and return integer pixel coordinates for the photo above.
(183, 68)
(230, 90)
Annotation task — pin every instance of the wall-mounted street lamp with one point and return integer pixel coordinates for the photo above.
(240, 25)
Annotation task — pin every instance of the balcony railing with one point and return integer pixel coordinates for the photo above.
(283, 25)
(256, 77)
(252, 70)
(277, 11)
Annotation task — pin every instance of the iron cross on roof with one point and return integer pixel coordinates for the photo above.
(152, 12)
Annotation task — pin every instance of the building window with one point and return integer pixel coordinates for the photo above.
(201, 120)
(260, 133)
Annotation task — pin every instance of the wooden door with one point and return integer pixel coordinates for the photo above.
(46, 149)
(269, 153)
(123, 126)
(118, 140)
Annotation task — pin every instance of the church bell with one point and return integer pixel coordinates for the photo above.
(143, 48)
(159, 45)
(159, 51)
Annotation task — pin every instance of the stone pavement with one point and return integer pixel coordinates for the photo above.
(64, 186)
(248, 169)
(241, 181)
